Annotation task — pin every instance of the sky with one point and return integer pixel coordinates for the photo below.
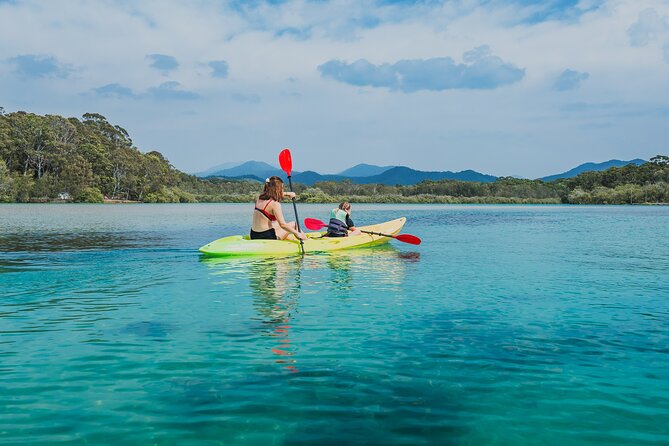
(504, 87)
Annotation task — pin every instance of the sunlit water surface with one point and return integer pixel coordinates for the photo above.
(508, 325)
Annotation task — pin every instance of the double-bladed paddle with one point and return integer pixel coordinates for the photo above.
(314, 225)
(286, 163)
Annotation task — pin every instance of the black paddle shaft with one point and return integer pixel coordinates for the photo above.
(377, 233)
(297, 219)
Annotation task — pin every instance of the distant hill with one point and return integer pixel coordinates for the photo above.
(248, 169)
(405, 176)
(364, 170)
(592, 166)
(386, 175)
(213, 170)
(395, 175)
(310, 177)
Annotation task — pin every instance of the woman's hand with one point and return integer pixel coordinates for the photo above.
(301, 236)
(290, 195)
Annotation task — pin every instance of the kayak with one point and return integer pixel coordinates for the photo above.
(238, 245)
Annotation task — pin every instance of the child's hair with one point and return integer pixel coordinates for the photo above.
(273, 189)
(345, 206)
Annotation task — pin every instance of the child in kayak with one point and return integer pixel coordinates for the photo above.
(268, 222)
(340, 224)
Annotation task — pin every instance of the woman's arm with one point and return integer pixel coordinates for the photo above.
(349, 223)
(278, 213)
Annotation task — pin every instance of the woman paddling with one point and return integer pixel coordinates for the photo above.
(268, 222)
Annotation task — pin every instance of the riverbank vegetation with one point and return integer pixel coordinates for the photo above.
(52, 158)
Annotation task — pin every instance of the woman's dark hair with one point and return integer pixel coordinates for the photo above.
(345, 206)
(273, 189)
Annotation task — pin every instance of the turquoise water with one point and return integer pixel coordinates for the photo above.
(540, 325)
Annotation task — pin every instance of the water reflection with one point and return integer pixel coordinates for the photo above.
(54, 242)
(382, 267)
(341, 278)
(16, 265)
(276, 285)
(155, 330)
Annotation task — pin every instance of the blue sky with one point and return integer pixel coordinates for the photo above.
(503, 87)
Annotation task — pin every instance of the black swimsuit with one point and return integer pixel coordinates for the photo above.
(270, 234)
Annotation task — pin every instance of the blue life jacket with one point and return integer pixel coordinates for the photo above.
(337, 226)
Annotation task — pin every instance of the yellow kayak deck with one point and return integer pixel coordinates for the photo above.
(238, 245)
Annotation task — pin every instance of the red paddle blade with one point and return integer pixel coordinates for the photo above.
(313, 224)
(408, 238)
(286, 161)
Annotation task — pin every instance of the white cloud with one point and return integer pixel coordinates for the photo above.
(163, 62)
(39, 66)
(171, 90)
(114, 91)
(219, 68)
(570, 80)
(481, 71)
(647, 28)
(272, 53)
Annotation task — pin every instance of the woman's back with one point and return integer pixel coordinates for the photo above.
(263, 215)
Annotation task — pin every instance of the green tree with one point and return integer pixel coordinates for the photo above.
(660, 160)
(76, 176)
(89, 195)
(6, 183)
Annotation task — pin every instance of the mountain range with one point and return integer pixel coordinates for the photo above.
(388, 175)
(592, 166)
(364, 170)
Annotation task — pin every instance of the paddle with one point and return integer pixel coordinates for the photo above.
(314, 225)
(286, 163)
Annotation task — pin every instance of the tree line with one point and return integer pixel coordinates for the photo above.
(46, 158)
(631, 184)
(43, 158)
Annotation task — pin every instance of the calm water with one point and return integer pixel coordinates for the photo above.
(508, 325)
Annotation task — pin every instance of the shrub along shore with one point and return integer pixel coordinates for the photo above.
(52, 158)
